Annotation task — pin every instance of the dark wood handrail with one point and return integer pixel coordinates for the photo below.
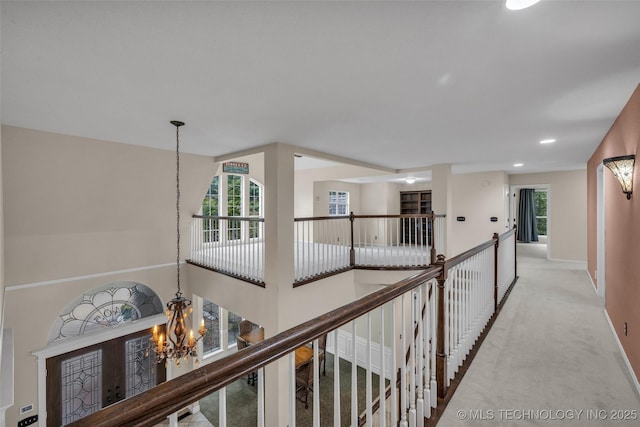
(453, 261)
(155, 405)
(507, 234)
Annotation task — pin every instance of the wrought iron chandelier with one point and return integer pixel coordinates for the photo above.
(175, 345)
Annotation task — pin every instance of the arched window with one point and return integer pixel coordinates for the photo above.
(105, 307)
(232, 195)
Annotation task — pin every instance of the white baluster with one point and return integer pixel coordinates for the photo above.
(412, 364)
(433, 386)
(420, 361)
(222, 407)
(292, 389)
(316, 382)
(261, 397)
(403, 369)
(368, 390)
(382, 393)
(354, 377)
(336, 380)
(394, 366)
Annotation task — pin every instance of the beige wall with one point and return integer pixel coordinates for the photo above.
(567, 205)
(75, 208)
(477, 197)
(305, 204)
(622, 230)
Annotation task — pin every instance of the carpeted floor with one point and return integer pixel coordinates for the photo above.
(550, 358)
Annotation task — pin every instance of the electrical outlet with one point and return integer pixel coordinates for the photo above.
(28, 421)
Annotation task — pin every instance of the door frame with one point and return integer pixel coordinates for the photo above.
(75, 343)
(514, 207)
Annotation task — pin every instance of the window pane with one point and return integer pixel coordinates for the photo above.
(211, 316)
(338, 203)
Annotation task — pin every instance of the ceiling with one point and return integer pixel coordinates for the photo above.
(402, 85)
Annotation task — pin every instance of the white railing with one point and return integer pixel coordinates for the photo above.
(410, 334)
(469, 301)
(506, 264)
(392, 241)
(229, 245)
(321, 246)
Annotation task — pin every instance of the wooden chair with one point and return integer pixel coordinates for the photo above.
(304, 381)
(252, 376)
(245, 327)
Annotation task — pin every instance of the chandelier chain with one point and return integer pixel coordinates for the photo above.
(178, 207)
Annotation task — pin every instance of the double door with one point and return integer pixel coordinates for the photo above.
(84, 381)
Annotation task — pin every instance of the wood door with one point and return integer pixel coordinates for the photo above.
(84, 381)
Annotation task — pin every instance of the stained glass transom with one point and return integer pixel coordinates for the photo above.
(81, 386)
(105, 307)
(140, 369)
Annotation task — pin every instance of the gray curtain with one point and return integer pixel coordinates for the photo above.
(527, 227)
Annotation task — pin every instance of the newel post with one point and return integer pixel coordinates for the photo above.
(496, 265)
(352, 252)
(441, 355)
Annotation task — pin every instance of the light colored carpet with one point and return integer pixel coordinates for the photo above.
(550, 358)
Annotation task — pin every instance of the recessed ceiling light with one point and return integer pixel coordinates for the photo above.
(548, 141)
(519, 4)
(410, 180)
(518, 165)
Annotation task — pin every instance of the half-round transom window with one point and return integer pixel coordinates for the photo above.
(104, 307)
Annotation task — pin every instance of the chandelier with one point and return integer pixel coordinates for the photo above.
(175, 345)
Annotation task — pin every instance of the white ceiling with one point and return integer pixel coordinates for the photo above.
(403, 85)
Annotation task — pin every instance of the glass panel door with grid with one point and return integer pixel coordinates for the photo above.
(84, 381)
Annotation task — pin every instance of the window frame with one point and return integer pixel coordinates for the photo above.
(334, 200)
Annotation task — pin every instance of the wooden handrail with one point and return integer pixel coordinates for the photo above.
(155, 405)
(453, 261)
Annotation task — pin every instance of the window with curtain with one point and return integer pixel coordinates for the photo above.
(527, 222)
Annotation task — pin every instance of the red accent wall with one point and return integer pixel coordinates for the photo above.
(622, 229)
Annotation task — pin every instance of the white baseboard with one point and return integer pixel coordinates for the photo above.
(624, 354)
(345, 344)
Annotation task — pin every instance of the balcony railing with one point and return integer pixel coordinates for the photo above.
(230, 245)
(438, 315)
(322, 245)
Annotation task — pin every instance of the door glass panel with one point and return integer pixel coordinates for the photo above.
(141, 366)
(81, 386)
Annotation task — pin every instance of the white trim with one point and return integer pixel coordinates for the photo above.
(345, 344)
(634, 379)
(85, 277)
(74, 343)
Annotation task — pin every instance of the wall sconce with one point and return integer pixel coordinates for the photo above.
(622, 168)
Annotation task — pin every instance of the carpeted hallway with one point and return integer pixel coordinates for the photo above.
(551, 358)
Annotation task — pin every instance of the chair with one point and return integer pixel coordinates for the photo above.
(252, 376)
(304, 381)
(245, 327)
